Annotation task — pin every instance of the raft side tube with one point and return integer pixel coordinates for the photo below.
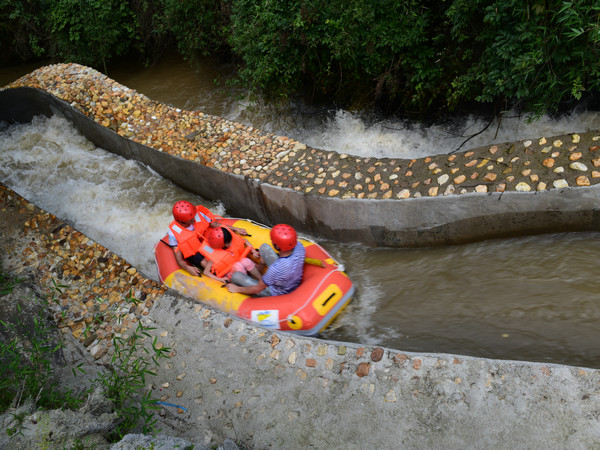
(309, 308)
(330, 317)
(168, 264)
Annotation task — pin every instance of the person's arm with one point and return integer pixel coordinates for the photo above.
(250, 290)
(184, 265)
(238, 230)
(209, 273)
(254, 253)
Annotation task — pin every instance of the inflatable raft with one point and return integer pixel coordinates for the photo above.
(325, 289)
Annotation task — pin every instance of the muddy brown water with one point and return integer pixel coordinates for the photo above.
(530, 298)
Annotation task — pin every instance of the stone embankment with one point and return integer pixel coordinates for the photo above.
(232, 380)
(91, 287)
(541, 185)
(234, 148)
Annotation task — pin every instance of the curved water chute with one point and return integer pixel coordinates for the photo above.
(496, 191)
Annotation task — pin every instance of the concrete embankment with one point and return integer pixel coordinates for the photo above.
(273, 390)
(267, 389)
(545, 185)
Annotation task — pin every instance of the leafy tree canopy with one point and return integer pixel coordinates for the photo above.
(414, 55)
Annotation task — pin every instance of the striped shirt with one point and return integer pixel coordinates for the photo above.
(285, 274)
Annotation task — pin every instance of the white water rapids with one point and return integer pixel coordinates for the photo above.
(120, 203)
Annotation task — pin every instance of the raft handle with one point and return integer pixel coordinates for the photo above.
(314, 262)
(328, 298)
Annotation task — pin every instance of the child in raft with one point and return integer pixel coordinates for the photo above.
(221, 238)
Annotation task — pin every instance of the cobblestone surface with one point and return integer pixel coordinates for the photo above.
(533, 165)
(93, 290)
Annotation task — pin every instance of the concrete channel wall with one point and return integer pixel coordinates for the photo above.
(268, 389)
(493, 205)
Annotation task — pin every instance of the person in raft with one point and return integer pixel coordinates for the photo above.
(284, 271)
(227, 253)
(187, 231)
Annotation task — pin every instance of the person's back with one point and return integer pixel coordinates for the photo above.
(284, 268)
(285, 274)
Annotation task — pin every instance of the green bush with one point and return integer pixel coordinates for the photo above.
(30, 351)
(536, 54)
(7, 282)
(533, 54)
(90, 32)
(356, 52)
(26, 362)
(125, 380)
(22, 33)
(152, 36)
(199, 27)
(414, 55)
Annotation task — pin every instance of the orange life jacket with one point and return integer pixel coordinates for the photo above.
(224, 259)
(188, 242)
(201, 224)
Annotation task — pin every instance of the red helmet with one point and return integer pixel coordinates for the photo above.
(216, 238)
(183, 211)
(284, 237)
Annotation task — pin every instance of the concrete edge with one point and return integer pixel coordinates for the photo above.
(412, 222)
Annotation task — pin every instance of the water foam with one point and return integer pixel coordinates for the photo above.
(119, 203)
(355, 134)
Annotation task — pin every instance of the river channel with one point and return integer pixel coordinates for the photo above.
(530, 298)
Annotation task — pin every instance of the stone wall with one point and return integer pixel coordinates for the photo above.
(546, 185)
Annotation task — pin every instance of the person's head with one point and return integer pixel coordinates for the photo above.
(184, 212)
(219, 237)
(284, 237)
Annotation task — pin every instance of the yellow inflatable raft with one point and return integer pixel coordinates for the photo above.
(325, 289)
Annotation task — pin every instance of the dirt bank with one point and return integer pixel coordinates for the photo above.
(232, 380)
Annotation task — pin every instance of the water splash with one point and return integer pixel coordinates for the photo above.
(356, 134)
(121, 204)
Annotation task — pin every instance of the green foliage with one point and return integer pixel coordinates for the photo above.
(352, 51)
(27, 360)
(22, 34)
(199, 27)
(26, 365)
(535, 53)
(123, 382)
(414, 55)
(152, 35)
(7, 282)
(91, 31)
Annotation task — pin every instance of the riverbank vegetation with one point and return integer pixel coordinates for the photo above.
(417, 57)
(31, 354)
